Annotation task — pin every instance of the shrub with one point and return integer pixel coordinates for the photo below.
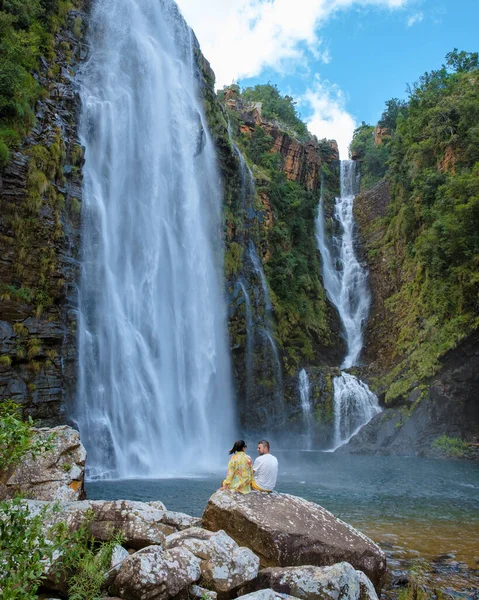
(450, 446)
(16, 437)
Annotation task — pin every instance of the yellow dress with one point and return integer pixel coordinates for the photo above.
(240, 473)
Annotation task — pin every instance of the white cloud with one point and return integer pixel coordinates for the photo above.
(415, 18)
(329, 119)
(242, 37)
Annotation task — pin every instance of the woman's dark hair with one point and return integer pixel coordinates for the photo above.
(238, 446)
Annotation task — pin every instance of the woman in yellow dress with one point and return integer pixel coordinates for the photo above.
(240, 470)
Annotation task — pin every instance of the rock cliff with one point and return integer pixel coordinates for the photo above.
(279, 317)
(40, 191)
(442, 404)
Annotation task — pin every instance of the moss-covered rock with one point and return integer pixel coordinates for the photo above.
(39, 229)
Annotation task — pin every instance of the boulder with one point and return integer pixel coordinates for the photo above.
(156, 574)
(201, 593)
(54, 475)
(118, 555)
(224, 565)
(140, 523)
(285, 530)
(338, 582)
(267, 595)
(180, 521)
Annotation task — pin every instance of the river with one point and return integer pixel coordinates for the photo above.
(423, 512)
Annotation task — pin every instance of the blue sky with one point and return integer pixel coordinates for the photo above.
(341, 59)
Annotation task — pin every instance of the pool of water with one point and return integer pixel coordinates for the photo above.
(417, 509)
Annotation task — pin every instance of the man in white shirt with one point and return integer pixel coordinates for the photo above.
(265, 469)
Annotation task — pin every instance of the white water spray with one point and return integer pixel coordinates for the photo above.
(354, 406)
(306, 408)
(154, 392)
(346, 284)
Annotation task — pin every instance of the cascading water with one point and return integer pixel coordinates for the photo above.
(262, 355)
(345, 280)
(354, 406)
(306, 408)
(154, 392)
(346, 284)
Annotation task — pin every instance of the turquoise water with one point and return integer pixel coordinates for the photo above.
(415, 508)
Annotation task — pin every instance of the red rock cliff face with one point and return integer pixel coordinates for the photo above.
(301, 159)
(40, 190)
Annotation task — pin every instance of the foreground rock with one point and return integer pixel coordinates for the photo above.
(285, 530)
(224, 565)
(140, 523)
(156, 574)
(54, 475)
(266, 595)
(338, 582)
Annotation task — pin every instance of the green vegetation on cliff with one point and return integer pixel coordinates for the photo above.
(26, 33)
(429, 153)
(286, 231)
(276, 107)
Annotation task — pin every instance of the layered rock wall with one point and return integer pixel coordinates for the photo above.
(40, 192)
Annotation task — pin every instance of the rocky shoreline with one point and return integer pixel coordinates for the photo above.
(256, 545)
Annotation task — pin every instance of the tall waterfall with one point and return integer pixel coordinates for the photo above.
(346, 284)
(154, 393)
(345, 280)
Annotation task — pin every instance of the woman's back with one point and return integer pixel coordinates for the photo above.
(240, 473)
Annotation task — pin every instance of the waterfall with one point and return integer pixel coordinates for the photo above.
(345, 280)
(249, 341)
(154, 392)
(346, 284)
(262, 353)
(306, 408)
(258, 268)
(354, 406)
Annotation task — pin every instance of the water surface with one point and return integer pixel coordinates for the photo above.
(415, 508)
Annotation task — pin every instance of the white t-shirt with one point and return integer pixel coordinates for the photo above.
(265, 469)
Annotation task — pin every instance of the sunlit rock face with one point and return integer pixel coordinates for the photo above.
(285, 530)
(55, 473)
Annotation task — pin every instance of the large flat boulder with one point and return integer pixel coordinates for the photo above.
(285, 530)
(56, 474)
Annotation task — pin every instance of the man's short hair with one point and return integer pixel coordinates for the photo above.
(265, 443)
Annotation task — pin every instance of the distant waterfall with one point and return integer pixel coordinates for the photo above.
(354, 406)
(346, 284)
(154, 393)
(306, 408)
(345, 280)
(262, 354)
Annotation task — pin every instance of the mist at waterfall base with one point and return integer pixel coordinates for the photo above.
(154, 391)
(412, 506)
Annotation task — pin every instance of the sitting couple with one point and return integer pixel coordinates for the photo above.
(244, 476)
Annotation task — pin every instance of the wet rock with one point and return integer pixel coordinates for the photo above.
(156, 574)
(338, 582)
(57, 474)
(224, 565)
(285, 530)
